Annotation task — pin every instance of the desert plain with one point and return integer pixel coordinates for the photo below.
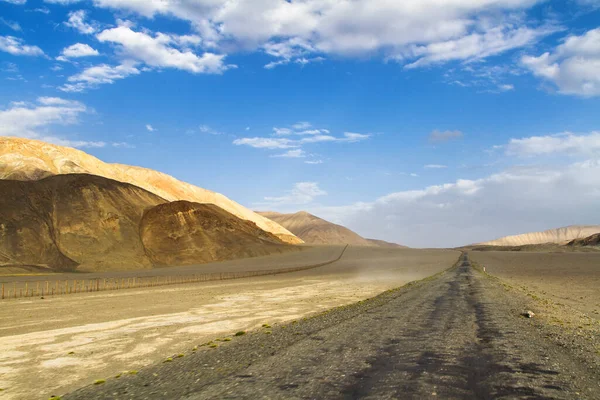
(55, 345)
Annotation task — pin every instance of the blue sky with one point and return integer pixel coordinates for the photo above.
(403, 121)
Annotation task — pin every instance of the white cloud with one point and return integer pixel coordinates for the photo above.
(435, 166)
(150, 128)
(160, 51)
(17, 2)
(209, 130)
(17, 47)
(98, 75)
(437, 136)
(282, 131)
(266, 143)
(77, 21)
(313, 162)
(573, 66)
(567, 143)
(506, 87)
(299, 128)
(355, 137)
(297, 153)
(308, 135)
(42, 10)
(475, 46)
(62, 2)
(77, 50)
(33, 120)
(514, 201)
(11, 24)
(302, 125)
(301, 193)
(426, 31)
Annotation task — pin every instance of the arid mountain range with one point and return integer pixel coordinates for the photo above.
(90, 223)
(557, 236)
(314, 230)
(28, 160)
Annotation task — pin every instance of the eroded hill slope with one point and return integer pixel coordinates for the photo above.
(27, 159)
(315, 230)
(559, 236)
(89, 223)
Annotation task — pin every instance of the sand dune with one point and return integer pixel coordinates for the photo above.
(26, 160)
(89, 223)
(558, 236)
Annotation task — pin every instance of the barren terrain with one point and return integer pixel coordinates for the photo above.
(457, 335)
(53, 346)
(572, 279)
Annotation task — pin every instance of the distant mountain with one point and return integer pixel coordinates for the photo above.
(383, 243)
(29, 160)
(592, 240)
(315, 230)
(90, 223)
(558, 236)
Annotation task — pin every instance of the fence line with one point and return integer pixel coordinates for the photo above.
(72, 286)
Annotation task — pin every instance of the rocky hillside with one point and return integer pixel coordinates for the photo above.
(90, 223)
(27, 160)
(558, 236)
(315, 230)
(182, 232)
(593, 240)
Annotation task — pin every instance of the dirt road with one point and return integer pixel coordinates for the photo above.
(457, 335)
(56, 345)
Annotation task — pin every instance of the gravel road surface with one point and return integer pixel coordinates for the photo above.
(456, 335)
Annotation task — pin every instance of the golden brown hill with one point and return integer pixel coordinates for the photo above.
(182, 232)
(383, 243)
(558, 236)
(90, 223)
(593, 240)
(26, 160)
(315, 230)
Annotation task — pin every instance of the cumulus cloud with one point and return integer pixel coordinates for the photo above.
(17, 47)
(17, 2)
(32, 120)
(99, 75)
(573, 67)
(149, 128)
(475, 46)
(77, 21)
(566, 143)
(161, 50)
(438, 136)
(301, 193)
(513, 201)
(420, 32)
(77, 50)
